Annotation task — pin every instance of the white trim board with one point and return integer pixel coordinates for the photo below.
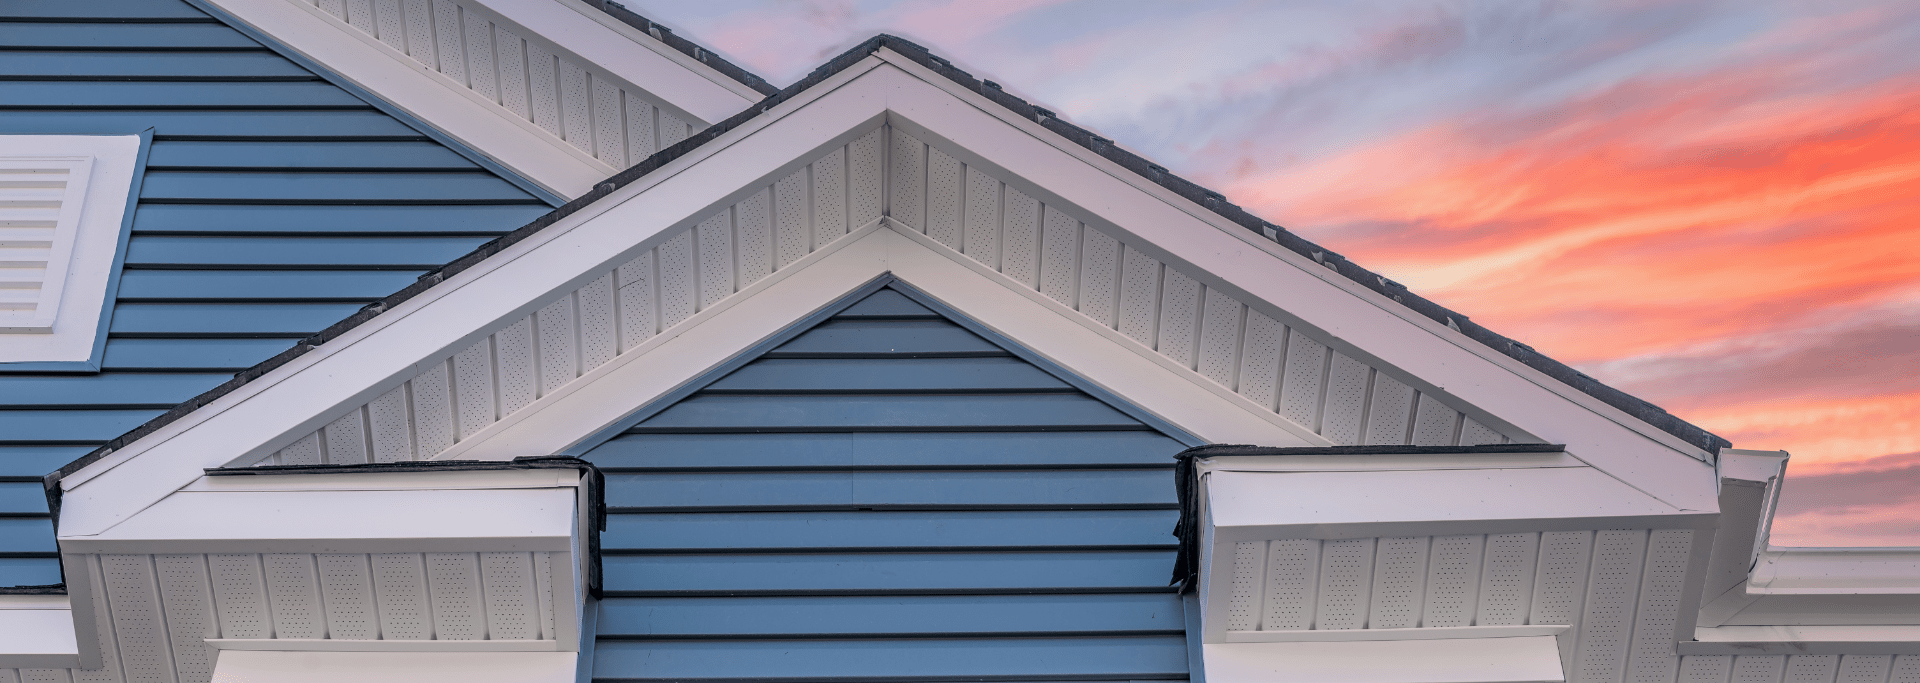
(394, 667)
(390, 348)
(70, 194)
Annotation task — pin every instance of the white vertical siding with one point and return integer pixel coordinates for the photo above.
(530, 79)
(694, 268)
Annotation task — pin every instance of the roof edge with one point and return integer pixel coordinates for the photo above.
(689, 48)
(1214, 201)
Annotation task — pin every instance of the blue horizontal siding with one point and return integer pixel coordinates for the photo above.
(889, 496)
(939, 488)
(289, 155)
(141, 95)
(172, 66)
(925, 450)
(870, 615)
(1008, 659)
(123, 36)
(331, 220)
(285, 285)
(214, 125)
(950, 529)
(148, 251)
(129, 388)
(183, 187)
(905, 572)
(275, 204)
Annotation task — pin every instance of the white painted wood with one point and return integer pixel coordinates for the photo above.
(453, 587)
(342, 645)
(1344, 413)
(1399, 582)
(559, 352)
(715, 238)
(1606, 622)
(432, 414)
(511, 605)
(1706, 669)
(753, 230)
(639, 309)
(982, 215)
(1020, 238)
(1059, 256)
(473, 387)
(435, 519)
(1379, 634)
(293, 595)
(390, 426)
(62, 203)
(1759, 668)
(866, 178)
(397, 667)
(1529, 659)
(400, 591)
(346, 592)
(907, 186)
(1140, 297)
(599, 323)
(1302, 379)
(1243, 607)
(516, 374)
(792, 218)
(1219, 353)
(186, 596)
(1390, 414)
(1180, 310)
(240, 596)
(1099, 288)
(1453, 581)
(830, 189)
(1434, 424)
(1655, 618)
(1506, 586)
(1293, 574)
(946, 178)
(1346, 582)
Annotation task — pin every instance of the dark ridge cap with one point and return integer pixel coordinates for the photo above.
(688, 47)
(1214, 201)
(1214, 450)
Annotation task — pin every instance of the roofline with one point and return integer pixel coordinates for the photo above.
(1214, 201)
(691, 49)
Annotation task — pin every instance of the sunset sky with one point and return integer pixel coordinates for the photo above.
(1708, 205)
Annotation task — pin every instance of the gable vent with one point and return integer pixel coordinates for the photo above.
(40, 202)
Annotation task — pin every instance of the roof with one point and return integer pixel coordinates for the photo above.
(1202, 196)
(687, 47)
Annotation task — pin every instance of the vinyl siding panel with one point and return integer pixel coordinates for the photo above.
(889, 495)
(274, 204)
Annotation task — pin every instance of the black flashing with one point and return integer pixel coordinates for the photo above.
(687, 47)
(1214, 201)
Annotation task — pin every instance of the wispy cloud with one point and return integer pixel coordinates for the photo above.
(1709, 204)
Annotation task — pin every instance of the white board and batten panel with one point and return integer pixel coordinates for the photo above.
(521, 76)
(1000, 223)
(1619, 590)
(692, 269)
(155, 613)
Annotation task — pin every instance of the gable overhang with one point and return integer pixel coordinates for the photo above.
(634, 62)
(884, 88)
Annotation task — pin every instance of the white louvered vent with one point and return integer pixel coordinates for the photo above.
(40, 204)
(520, 76)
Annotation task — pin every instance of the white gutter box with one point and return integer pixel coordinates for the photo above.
(242, 666)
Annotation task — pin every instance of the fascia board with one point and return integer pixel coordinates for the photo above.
(1837, 571)
(370, 358)
(1240, 263)
(634, 379)
(1380, 463)
(1520, 659)
(395, 667)
(631, 54)
(1804, 640)
(38, 639)
(345, 645)
(1420, 633)
(1339, 505)
(343, 521)
(428, 96)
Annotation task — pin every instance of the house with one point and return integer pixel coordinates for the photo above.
(523, 340)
